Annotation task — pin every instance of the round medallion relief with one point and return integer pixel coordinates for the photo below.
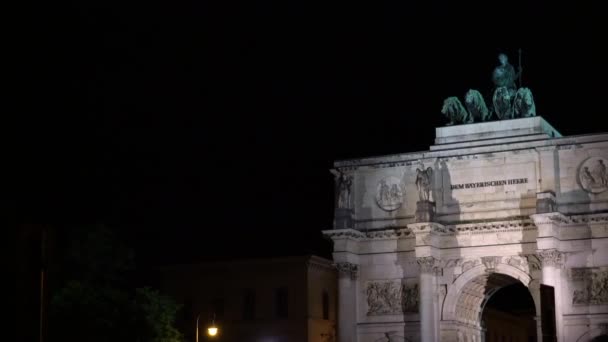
(389, 193)
(592, 175)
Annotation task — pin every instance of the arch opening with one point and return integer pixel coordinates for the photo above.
(509, 315)
(496, 306)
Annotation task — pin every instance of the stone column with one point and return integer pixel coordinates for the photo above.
(428, 325)
(347, 301)
(552, 263)
(549, 226)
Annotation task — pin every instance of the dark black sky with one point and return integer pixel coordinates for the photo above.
(203, 127)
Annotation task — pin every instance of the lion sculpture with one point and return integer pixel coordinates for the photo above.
(476, 105)
(523, 104)
(455, 111)
(502, 103)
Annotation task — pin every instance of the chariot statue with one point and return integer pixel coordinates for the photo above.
(508, 102)
(455, 111)
(476, 105)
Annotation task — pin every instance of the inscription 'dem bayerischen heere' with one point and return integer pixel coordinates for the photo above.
(489, 183)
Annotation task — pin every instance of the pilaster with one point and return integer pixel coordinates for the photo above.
(347, 301)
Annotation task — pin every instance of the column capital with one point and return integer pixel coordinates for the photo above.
(347, 269)
(551, 257)
(428, 264)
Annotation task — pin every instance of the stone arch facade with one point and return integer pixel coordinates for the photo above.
(467, 296)
(598, 334)
(427, 237)
(465, 286)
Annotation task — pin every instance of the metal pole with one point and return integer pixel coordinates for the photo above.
(42, 275)
(197, 317)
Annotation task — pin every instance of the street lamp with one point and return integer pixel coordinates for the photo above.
(212, 330)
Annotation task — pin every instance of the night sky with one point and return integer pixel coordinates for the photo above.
(205, 129)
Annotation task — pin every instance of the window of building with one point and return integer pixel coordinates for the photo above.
(325, 305)
(249, 304)
(281, 302)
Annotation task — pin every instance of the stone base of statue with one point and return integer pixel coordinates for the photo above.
(425, 211)
(545, 202)
(343, 218)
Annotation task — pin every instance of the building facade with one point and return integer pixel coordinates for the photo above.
(261, 300)
(423, 241)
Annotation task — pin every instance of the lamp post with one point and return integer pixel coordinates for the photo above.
(197, 317)
(212, 330)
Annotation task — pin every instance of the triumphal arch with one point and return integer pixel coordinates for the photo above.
(424, 241)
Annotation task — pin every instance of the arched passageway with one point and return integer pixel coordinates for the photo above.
(600, 338)
(509, 315)
(492, 306)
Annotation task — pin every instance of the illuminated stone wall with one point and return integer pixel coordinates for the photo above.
(508, 201)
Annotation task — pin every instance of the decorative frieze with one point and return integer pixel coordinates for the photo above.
(526, 263)
(389, 234)
(563, 220)
(395, 233)
(493, 226)
(347, 269)
(471, 228)
(344, 234)
(591, 286)
(391, 297)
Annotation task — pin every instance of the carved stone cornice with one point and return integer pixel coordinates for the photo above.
(554, 219)
(560, 219)
(429, 264)
(344, 234)
(588, 219)
(476, 227)
(551, 257)
(393, 233)
(428, 227)
(388, 234)
(347, 269)
(492, 226)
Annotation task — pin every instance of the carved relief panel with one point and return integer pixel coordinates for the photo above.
(391, 297)
(590, 285)
(592, 175)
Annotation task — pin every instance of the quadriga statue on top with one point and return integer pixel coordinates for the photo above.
(508, 102)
